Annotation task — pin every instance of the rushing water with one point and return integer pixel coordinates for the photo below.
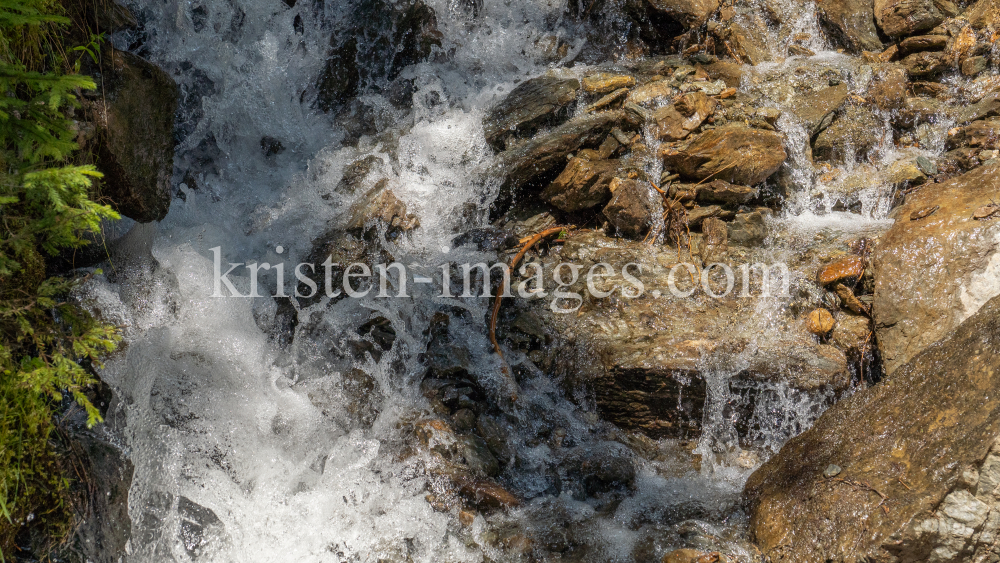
(250, 449)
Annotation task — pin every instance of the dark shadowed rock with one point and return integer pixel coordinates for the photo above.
(919, 459)
(932, 274)
(739, 155)
(134, 145)
(542, 154)
(532, 104)
(850, 23)
(633, 208)
(659, 21)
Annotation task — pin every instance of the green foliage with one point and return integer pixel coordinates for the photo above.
(46, 339)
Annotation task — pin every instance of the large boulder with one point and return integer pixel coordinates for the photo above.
(647, 360)
(908, 470)
(134, 144)
(736, 154)
(934, 272)
(534, 103)
(899, 18)
(816, 109)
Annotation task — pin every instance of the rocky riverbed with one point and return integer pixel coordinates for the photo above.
(839, 159)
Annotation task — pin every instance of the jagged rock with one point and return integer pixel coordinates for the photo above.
(380, 204)
(920, 461)
(642, 358)
(693, 556)
(356, 172)
(924, 64)
(606, 82)
(583, 184)
(540, 155)
(932, 274)
(699, 214)
(534, 103)
(906, 17)
(134, 144)
(815, 109)
(850, 137)
(989, 106)
(984, 13)
(633, 207)
(922, 43)
(722, 192)
(412, 30)
(728, 71)
(739, 155)
(674, 122)
(973, 65)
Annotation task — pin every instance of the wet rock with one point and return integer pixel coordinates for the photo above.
(134, 144)
(888, 89)
(642, 357)
(850, 137)
(476, 454)
(735, 154)
(984, 13)
(602, 468)
(534, 103)
(907, 17)
(847, 268)
(749, 43)
(380, 205)
(496, 437)
(925, 64)
(633, 207)
(973, 65)
(716, 239)
(674, 122)
(922, 43)
(815, 109)
(820, 322)
(659, 21)
(848, 300)
(356, 172)
(989, 106)
(932, 274)
(748, 229)
(850, 23)
(699, 214)
(605, 82)
(984, 134)
(728, 71)
(651, 92)
(918, 444)
(722, 192)
(583, 184)
(540, 155)
(393, 36)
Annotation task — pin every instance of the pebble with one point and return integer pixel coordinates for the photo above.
(832, 471)
(820, 322)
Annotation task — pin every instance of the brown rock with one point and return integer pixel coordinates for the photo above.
(850, 136)
(693, 556)
(924, 64)
(633, 207)
(380, 205)
(815, 109)
(848, 267)
(749, 43)
(675, 122)
(700, 213)
(722, 192)
(728, 71)
(603, 82)
(583, 184)
(134, 145)
(933, 273)
(906, 17)
(542, 154)
(983, 134)
(532, 104)
(919, 464)
(973, 65)
(650, 92)
(689, 13)
(735, 154)
(984, 13)
(964, 44)
(820, 322)
(849, 300)
(888, 90)
(922, 43)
